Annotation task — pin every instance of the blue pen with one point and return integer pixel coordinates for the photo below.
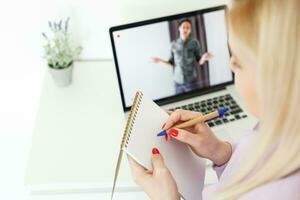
(205, 118)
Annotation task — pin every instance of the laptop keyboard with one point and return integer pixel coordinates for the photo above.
(234, 112)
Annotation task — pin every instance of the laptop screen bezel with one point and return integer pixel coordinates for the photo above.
(174, 98)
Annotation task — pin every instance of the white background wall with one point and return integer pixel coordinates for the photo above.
(22, 69)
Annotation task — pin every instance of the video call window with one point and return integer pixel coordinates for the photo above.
(170, 58)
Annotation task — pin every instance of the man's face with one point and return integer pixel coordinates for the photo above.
(185, 30)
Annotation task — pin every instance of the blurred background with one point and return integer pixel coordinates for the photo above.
(22, 67)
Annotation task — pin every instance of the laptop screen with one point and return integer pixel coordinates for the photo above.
(169, 57)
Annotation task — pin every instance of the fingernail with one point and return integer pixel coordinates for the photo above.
(155, 151)
(163, 126)
(173, 132)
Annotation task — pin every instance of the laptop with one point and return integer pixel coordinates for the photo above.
(181, 62)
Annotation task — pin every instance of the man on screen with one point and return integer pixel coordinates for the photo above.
(185, 58)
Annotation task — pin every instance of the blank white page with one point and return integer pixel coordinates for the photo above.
(187, 169)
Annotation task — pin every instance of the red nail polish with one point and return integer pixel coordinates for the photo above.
(163, 126)
(155, 151)
(166, 137)
(173, 132)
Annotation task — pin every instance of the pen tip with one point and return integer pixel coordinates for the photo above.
(222, 111)
(162, 133)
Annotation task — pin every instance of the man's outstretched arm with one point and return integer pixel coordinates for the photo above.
(158, 60)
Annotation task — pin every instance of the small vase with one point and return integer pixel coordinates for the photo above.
(62, 77)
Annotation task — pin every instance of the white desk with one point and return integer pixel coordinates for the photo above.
(77, 134)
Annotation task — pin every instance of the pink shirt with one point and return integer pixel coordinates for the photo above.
(287, 188)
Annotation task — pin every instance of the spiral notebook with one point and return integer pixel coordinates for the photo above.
(144, 122)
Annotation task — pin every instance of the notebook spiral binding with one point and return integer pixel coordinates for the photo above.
(131, 119)
(128, 128)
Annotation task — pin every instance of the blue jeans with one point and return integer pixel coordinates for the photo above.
(185, 87)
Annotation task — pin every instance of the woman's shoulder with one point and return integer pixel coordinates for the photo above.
(285, 188)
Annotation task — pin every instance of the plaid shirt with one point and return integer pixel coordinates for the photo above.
(185, 56)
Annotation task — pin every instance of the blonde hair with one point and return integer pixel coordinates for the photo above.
(271, 28)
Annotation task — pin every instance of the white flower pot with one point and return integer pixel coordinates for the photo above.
(62, 77)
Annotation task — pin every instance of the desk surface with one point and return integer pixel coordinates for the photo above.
(77, 133)
(78, 128)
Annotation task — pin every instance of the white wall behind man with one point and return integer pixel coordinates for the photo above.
(135, 48)
(216, 36)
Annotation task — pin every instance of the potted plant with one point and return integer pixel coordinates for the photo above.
(60, 53)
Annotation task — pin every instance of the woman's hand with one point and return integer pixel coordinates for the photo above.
(159, 183)
(199, 137)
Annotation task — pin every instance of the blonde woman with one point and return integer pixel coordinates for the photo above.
(265, 164)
